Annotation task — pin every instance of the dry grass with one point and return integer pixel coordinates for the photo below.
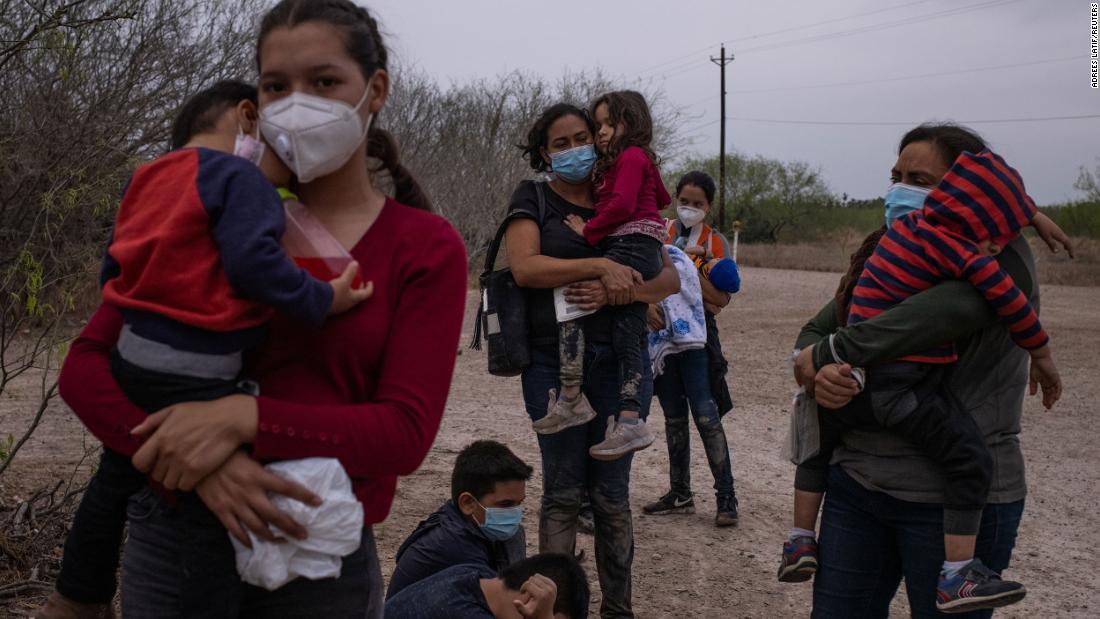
(833, 255)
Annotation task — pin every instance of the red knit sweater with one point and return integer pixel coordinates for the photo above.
(368, 388)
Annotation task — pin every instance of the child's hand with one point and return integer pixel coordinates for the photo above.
(575, 223)
(344, 296)
(1045, 374)
(1052, 234)
(537, 597)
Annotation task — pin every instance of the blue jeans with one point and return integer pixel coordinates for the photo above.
(568, 472)
(869, 541)
(178, 562)
(684, 385)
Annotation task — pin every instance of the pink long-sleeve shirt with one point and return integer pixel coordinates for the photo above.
(629, 199)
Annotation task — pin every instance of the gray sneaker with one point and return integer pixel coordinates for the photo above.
(621, 439)
(564, 413)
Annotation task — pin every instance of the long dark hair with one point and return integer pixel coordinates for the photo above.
(950, 140)
(363, 42)
(629, 108)
(538, 137)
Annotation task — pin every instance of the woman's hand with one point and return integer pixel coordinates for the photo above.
(834, 386)
(187, 441)
(655, 316)
(238, 494)
(575, 223)
(1052, 234)
(1044, 374)
(619, 281)
(589, 295)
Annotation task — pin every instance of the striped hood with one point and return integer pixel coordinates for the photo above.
(981, 197)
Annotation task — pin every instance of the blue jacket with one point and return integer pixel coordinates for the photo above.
(445, 539)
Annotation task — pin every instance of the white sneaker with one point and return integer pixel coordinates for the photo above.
(621, 439)
(564, 413)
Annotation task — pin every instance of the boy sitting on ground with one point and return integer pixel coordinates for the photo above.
(479, 525)
(545, 586)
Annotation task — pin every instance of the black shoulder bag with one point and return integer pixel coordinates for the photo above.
(502, 313)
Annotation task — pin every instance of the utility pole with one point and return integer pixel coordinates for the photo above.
(722, 61)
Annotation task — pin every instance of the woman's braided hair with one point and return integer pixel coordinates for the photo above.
(364, 43)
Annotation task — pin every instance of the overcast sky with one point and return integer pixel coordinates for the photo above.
(796, 60)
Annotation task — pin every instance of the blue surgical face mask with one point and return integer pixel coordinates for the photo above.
(501, 523)
(573, 166)
(902, 199)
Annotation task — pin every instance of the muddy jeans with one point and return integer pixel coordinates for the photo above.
(178, 562)
(568, 471)
(684, 385)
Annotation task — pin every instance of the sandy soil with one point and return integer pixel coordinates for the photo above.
(683, 564)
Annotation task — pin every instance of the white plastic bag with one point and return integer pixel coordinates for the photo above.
(335, 528)
(803, 432)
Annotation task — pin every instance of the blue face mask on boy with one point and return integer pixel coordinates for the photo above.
(501, 523)
(573, 166)
(902, 199)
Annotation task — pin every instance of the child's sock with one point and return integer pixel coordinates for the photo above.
(950, 568)
(630, 421)
(797, 532)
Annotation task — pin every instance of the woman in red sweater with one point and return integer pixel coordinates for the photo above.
(368, 388)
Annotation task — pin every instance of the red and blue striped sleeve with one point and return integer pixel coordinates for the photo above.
(247, 223)
(1007, 300)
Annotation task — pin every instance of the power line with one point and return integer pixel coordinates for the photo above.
(677, 59)
(906, 123)
(891, 79)
(884, 25)
(697, 129)
(695, 65)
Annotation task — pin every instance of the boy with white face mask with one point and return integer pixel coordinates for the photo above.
(196, 267)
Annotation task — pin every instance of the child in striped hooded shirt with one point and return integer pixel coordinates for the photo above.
(978, 207)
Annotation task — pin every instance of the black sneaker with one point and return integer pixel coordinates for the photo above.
(727, 512)
(671, 503)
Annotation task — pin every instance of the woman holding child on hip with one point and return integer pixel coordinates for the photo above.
(545, 253)
(358, 389)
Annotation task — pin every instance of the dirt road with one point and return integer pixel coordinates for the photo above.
(684, 566)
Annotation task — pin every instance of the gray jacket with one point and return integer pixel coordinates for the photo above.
(990, 379)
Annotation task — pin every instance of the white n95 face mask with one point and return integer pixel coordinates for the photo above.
(314, 136)
(690, 216)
